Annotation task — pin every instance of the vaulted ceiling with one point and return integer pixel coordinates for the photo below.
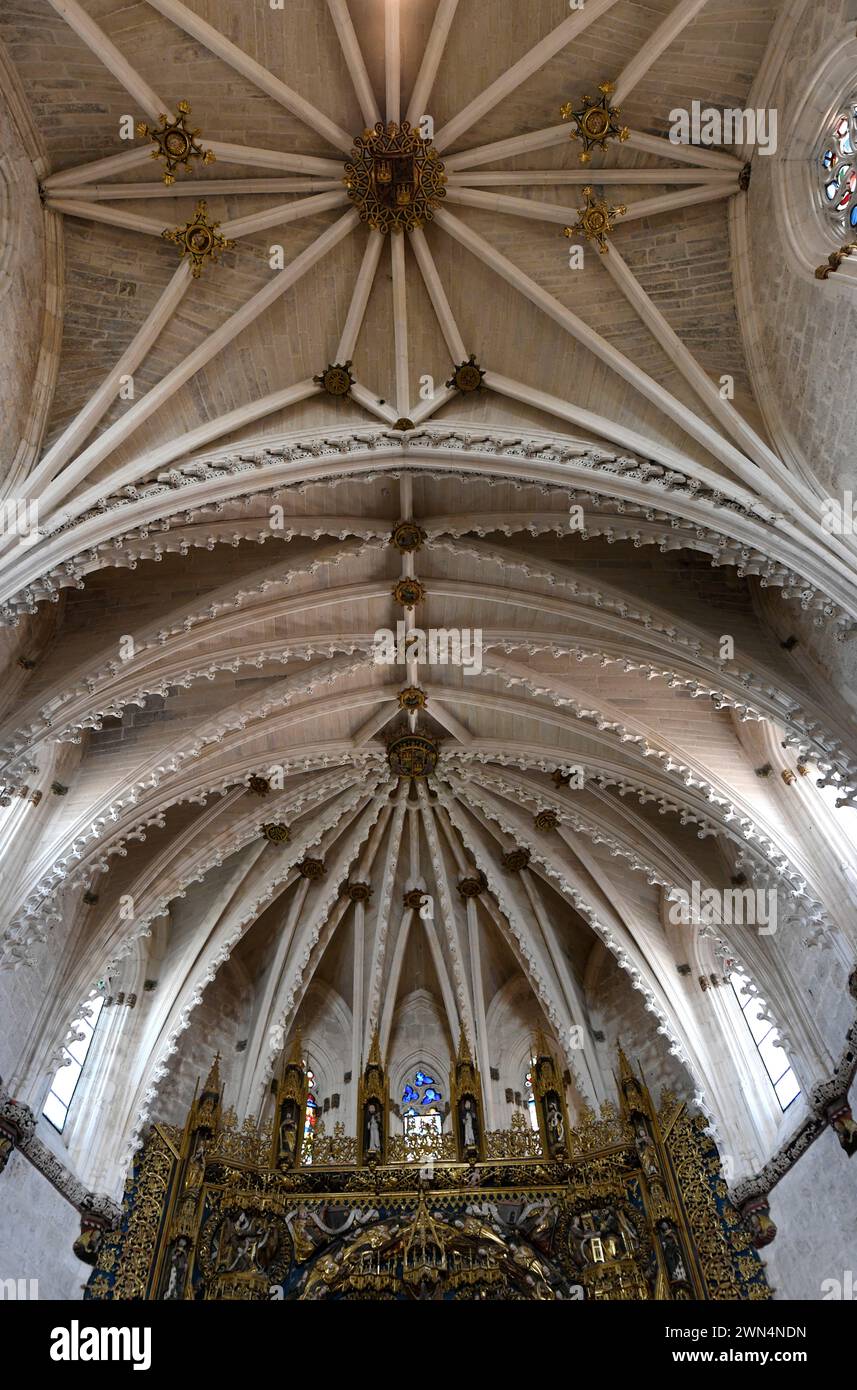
(220, 543)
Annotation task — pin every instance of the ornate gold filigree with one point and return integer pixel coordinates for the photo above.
(409, 592)
(336, 379)
(395, 178)
(145, 1198)
(466, 377)
(312, 869)
(407, 536)
(412, 754)
(597, 220)
(595, 122)
(276, 833)
(521, 1141)
(412, 699)
(632, 1207)
(175, 143)
(199, 239)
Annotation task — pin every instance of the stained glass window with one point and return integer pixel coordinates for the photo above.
(767, 1039)
(67, 1075)
(421, 1096)
(422, 1121)
(311, 1113)
(837, 170)
(531, 1100)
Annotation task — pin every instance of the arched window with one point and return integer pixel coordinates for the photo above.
(311, 1112)
(531, 1098)
(67, 1075)
(421, 1098)
(766, 1036)
(836, 169)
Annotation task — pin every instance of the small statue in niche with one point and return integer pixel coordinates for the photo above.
(179, 1258)
(196, 1166)
(554, 1123)
(372, 1130)
(673, 1256)
(287, 1134)
(469, 1124)
(646, 1149)
(246, 1245)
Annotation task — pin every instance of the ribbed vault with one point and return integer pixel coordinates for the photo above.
(199, 697)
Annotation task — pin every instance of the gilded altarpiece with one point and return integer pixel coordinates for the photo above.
(629, 1212)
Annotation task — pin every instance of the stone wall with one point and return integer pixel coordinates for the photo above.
(218, 1024)
(37, 1231)
(815, 1210)
(619, 1012)
(803, 328)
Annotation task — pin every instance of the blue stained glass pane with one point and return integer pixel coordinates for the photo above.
(845, 145)
(831, 190)
(828, 158)
(408, 1095)
(410, 1111)
(853, 217)
(431, 1094)
(423, 1079)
